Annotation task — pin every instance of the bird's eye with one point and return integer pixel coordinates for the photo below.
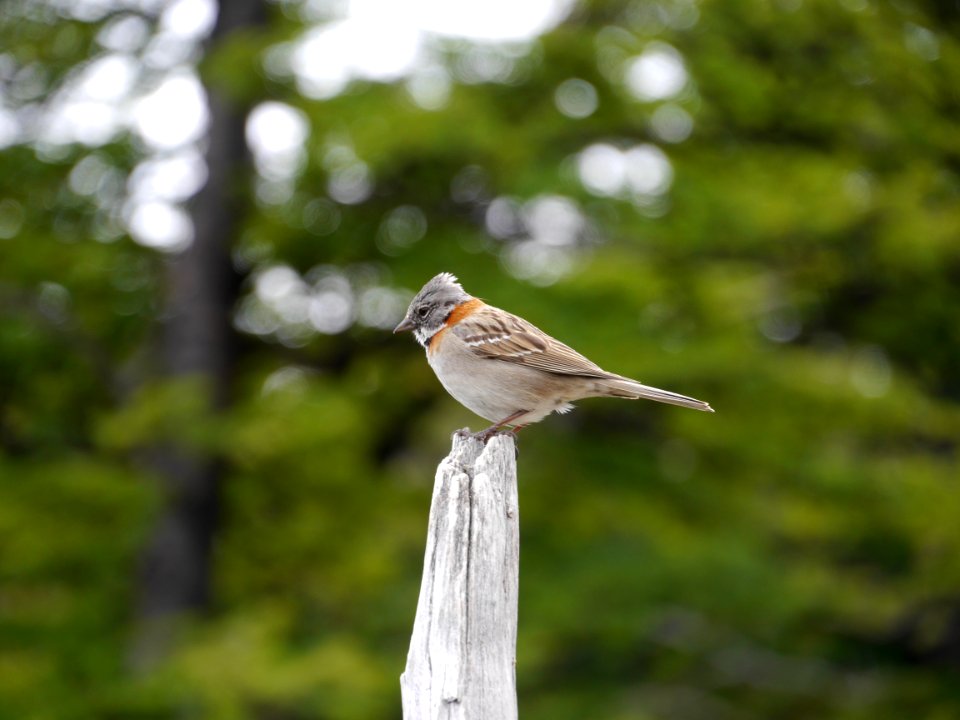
(422, 312)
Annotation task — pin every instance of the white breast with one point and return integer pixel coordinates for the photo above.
(493, 389)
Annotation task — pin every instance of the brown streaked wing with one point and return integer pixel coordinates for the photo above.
(498, 335)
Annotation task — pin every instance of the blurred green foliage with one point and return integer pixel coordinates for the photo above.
(795, 555)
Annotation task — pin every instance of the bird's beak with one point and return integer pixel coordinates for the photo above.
(405, 325)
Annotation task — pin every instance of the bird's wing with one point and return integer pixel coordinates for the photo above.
(498, 335)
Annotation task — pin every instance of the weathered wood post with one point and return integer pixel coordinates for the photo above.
(462, 657)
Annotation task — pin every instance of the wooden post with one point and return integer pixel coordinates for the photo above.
(462, 657)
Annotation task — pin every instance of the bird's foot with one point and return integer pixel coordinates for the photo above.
(495, 429)
(484, 436)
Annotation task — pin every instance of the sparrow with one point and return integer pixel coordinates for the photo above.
(505, 369)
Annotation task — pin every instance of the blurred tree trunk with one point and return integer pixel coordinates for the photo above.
(198, 341)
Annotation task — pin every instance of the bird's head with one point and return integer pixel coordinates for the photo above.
(431, 307)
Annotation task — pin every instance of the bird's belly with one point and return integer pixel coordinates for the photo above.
(494, 389)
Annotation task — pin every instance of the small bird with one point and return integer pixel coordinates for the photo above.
(503, 368)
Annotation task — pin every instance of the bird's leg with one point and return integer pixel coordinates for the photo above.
(485, 435)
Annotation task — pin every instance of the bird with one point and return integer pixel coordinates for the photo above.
(505, 369)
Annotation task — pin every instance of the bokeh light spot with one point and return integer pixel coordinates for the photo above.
(671, 123)
(174, 114)
(657, 74)
(603, 169)
(161, 225)
(576, 98)
(276, 134)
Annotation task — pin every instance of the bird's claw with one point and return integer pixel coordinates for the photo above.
(483, 436)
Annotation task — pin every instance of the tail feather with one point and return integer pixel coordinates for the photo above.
(632, 390)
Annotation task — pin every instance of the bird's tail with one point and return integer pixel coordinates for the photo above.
(632, 390)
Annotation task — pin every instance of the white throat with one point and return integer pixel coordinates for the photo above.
(424, 335)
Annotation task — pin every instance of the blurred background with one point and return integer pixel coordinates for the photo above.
(216, 461)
